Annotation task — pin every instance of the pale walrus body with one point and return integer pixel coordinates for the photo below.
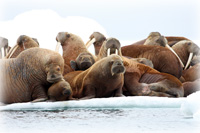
(27, 77)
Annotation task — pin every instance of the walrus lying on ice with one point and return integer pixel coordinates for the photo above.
(27, 77)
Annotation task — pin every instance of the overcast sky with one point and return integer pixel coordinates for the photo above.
(123, 19)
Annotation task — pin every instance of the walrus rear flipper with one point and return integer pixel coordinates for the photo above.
(39, 100)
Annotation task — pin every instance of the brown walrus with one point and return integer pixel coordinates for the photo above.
(191, 87)
(72, 46)
(186, 49)
(103, 79)
(162, 58)
(60, 91)
(27, 77)
(84, 61)
(140, 79)
(23, 42)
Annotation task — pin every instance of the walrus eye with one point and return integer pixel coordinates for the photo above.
(189, 43)
(58, 69)
(111, 62)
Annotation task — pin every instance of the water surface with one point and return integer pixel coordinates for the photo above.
(93, 120)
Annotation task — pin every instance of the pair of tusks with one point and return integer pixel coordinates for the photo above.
(108, 52)
(189, 58)
(13, 50)
(58, 47)
(189, 61)
(90, 42)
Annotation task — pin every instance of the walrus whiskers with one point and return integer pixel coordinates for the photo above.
(90, 42)
(58, 47)
(189, 60)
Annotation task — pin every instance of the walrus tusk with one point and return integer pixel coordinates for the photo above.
(108, 52)
(90, 42)
(189, 60)
(58, 47)
(24, 46)
(2, 52)
(112, 73)
(12, 51)
(175, 54)
(116, 52)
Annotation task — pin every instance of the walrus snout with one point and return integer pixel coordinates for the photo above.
(86, 64)
(66, 92)
(117, 68)
(54, 78)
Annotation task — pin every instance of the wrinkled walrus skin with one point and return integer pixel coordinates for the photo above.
(27, 77)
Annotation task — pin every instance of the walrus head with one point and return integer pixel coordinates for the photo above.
(54, 68)
(83, 61)
(26, 42)
(155, 38)
(112, 46)
(97, 39)
(23, 42)
(117, 66)
(54, 73)
(66, 38)
(60, 91)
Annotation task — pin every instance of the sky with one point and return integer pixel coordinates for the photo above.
(126, 20)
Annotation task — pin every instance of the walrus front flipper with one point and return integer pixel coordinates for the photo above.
(39, 100)
(73, 65)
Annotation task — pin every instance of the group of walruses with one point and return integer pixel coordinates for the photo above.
(156, 66)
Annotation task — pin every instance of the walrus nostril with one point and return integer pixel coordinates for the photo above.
(86, 65)
(53, 76)
(66, 91)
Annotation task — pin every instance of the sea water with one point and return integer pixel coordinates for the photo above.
(94, 120)
(117, 115)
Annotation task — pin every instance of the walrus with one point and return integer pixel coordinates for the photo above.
(191, 74)
(155, 38)
(27, 77)
(72, 46)
(60, 91)
(23, 42)
(191, 87)
(105, 78)
(162, 58)
(82, 62)
(140, 79)
(186, 49)
(195, 60)
(4, 48)
(98, 38)
(143, 61)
